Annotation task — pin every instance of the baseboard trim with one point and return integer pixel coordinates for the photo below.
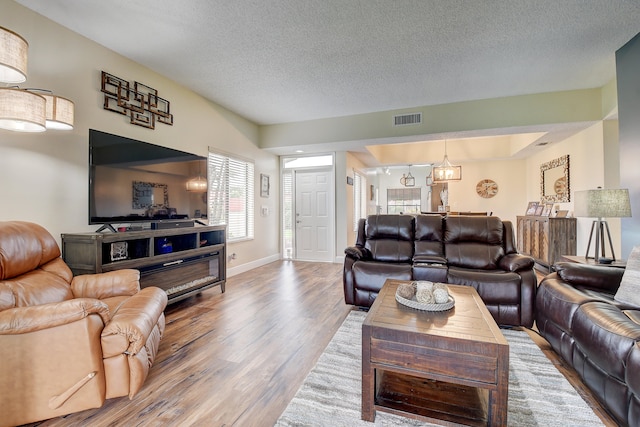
(251, 265)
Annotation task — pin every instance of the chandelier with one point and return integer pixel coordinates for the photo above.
(408, 180)
(197, 184)
(445, 171)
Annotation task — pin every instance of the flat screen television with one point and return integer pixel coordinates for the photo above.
(133, 181)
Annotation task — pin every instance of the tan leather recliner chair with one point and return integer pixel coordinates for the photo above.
(68, 343)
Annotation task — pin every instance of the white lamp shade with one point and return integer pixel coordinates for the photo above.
(602, 203)
(59, 112)
(13, 57)
(22, 111)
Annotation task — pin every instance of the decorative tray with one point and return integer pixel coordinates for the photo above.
(426, 307)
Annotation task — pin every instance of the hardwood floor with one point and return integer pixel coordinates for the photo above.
(238, 358)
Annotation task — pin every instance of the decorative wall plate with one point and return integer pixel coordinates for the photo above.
(486, 188)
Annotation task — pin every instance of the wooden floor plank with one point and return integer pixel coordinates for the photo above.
(238, 358)
(235, 358)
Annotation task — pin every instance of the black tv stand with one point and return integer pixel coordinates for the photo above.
(106, 227)
(183, 261)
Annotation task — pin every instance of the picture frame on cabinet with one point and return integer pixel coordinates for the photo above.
(531, 208)
(539, 209)
(562, 214)
(547, 209)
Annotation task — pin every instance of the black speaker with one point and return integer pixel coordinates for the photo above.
(166, 225)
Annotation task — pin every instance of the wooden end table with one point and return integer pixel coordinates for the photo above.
(448, 368)
(619, 263)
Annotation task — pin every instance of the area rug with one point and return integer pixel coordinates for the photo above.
(539, 395)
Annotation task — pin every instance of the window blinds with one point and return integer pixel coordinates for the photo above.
(231, 195)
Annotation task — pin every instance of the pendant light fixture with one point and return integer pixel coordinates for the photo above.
(198, 184)
(22, 111)
(60, 112)
(445, 171)
(25, 110)
(13, 57)
(408, 180)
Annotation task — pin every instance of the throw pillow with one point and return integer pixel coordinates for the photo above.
(629, 290)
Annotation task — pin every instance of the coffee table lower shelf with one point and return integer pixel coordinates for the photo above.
(449, 368)
(430, 400)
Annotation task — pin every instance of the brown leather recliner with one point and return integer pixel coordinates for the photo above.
(68, 343)
(597, 335)
(462, 250)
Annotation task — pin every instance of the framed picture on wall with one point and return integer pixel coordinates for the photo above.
(264, 185)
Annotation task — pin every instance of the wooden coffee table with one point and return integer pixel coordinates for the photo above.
(449, 368)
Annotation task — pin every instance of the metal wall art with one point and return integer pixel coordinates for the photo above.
(138, 101)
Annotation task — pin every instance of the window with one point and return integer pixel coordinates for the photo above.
(231, 200)
(359, 198)
(403, 200)
(287, 213)
(309, 161)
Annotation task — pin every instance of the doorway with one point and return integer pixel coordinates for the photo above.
(308, 209)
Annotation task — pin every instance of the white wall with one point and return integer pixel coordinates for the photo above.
(586, 152)
(44, 176)
(627, 66)
(510, 175)
(519, 180)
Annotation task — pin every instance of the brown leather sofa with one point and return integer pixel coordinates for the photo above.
(463, 250)
(68, 343)
(597, 335)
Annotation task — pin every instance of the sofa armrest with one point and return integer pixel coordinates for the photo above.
(22, 320)
(516, 262)
(105, 285)
(357, 253)
(130, 326)
(590, 276)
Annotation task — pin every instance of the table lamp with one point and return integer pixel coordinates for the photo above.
(601, 203)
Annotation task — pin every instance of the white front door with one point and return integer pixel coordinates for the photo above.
(314, 215)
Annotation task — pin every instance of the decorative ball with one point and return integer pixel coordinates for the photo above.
(440, 286)
(425, 296)
(440, 295)
(406, 291)
(424, 284)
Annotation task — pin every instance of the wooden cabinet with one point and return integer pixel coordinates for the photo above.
(546, 239)
(182, 261)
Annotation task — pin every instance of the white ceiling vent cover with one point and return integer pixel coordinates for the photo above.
(407, 119)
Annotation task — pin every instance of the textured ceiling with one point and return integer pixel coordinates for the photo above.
(283, 61)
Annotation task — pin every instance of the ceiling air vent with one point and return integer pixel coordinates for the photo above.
(407, 119)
